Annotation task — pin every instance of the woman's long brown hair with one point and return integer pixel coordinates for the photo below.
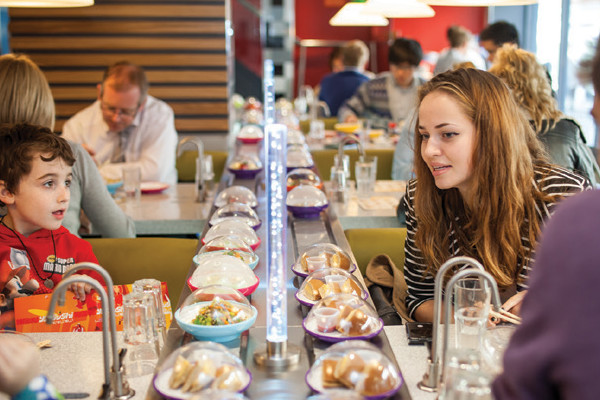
(506, 150)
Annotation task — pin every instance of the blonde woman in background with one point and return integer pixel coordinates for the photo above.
(27, 99)
(562, 136)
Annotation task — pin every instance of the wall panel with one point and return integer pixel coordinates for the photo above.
(180, 43)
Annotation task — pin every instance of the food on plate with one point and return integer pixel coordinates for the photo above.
(335, 260)
(227, 377)
(329, 379)
(315, 289)
(220, 312)
(377, 380)
(355, 323)
(180, 372)
(243, 164)
(193, 377)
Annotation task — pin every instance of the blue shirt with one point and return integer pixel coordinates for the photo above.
(338, 87)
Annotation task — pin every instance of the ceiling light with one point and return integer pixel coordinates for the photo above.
(479, 3)
(46, 3)
(352, 14)
(399, 8)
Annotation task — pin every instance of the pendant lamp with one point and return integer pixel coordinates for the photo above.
(353, 14)
(46, 3)
(399, 8)
(479, 3)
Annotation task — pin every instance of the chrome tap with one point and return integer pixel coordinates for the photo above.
(345, 140)
(114, 377)
(200, 190)
(431, 379)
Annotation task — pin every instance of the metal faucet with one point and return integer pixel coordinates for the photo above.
(431, 378)
(114, 378)
(200, 190)
(345, 140)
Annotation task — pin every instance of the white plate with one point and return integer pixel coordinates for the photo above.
(161, 384)
(153, 187)
(310, 325)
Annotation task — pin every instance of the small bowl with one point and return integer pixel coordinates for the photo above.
(223, 270)
(250, 134)
(244, 166)
(229, 245)
(346, 127)
(112, 187)
(306, 201)
(236, 194)
(233, 228)
(215, 295)
(236, 211)
(302, 176)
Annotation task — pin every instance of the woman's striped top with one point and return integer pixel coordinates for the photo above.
(552, 180)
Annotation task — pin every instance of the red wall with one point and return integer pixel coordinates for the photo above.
(312, 22)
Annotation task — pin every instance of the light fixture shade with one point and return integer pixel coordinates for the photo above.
(399, 8)
(46, 3)
(352, 14)
(479, 3)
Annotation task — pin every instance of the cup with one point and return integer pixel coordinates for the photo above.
(469, 385)
(458, 362)
(365, 171)
(345, 164)
(132, 181)
(339, 187)
(471, 310)
(335, 282)
(317, 131)
(494, 343)
(139, 333)
(208, 173)
(326, 318)
(154, 289)
(314, 263)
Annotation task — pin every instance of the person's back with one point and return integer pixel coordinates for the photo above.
(22, 81)
(127, 127)
(337, 87)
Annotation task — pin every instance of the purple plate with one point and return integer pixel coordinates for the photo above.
(161, 385)
(297, 269)
(307, 212)
(313, 380)
(302, 299)
(244, 173)
(335, 336)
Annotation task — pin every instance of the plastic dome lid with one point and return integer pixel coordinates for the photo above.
(299, 157)
(245, 162)
(251, 131)
(306, 196)
(237, 211)
(252, 116)
(233, 228)
(358, 366)
(222, 269)
(327, 281)
(302, 176)
(252, 103)
(295, 136)
(229, 245)
(236, 194)
(200, 365)
(311, 259)
(342, 316)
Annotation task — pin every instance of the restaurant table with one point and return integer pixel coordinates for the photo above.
(376, 211)
(74, 363)
(174, 211)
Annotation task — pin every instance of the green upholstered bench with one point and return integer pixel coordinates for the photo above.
(329, 124)
(369, 242)
(186, 164)
(324, 161)
(166, 259)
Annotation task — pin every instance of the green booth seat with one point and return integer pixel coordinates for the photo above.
(186, 164)
(324, 161)
(369, 242)
(329, 124)
(166, 259)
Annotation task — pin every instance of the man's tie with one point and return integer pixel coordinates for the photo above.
(119, 151)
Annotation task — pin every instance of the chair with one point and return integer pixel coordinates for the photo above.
(324, 161)
(368, 242)
(186, 164)
(166, 259)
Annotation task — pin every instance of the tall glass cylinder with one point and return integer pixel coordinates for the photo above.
(275, 172)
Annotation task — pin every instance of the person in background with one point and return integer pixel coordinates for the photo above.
(127, 127)
(338, 87)
(31, 102)
(562, 137)
(483, 188)
(390, 96)
(495, 35)
(460, 51)
(35, 249)
(336, 63)
(555, 352)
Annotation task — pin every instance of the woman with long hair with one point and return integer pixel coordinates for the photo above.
(561, 136)
(483, 186)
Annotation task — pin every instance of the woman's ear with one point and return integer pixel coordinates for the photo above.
(6, 196)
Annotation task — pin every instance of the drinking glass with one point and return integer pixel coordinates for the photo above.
(365, 171)
(457, 362)
(471, 309)
(153, 288)
(208, 174)
(317, 131)
(132, 181)
(469, 385)
(139, 333)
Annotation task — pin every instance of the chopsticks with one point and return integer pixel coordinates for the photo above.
(506, 316)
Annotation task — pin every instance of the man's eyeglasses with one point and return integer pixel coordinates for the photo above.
(123, 112)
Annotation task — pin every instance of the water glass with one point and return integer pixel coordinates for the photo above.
(139, 333)
(153, 287)
(132, 181)
(457, 362)
(339, 186)
(469, 385)
(208, 173)
(317, 131)
(471, 309)
(365, 171)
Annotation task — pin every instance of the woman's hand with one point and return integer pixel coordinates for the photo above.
(80, 289)
(513, 305)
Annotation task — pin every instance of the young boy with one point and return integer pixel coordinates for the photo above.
(35, 250)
